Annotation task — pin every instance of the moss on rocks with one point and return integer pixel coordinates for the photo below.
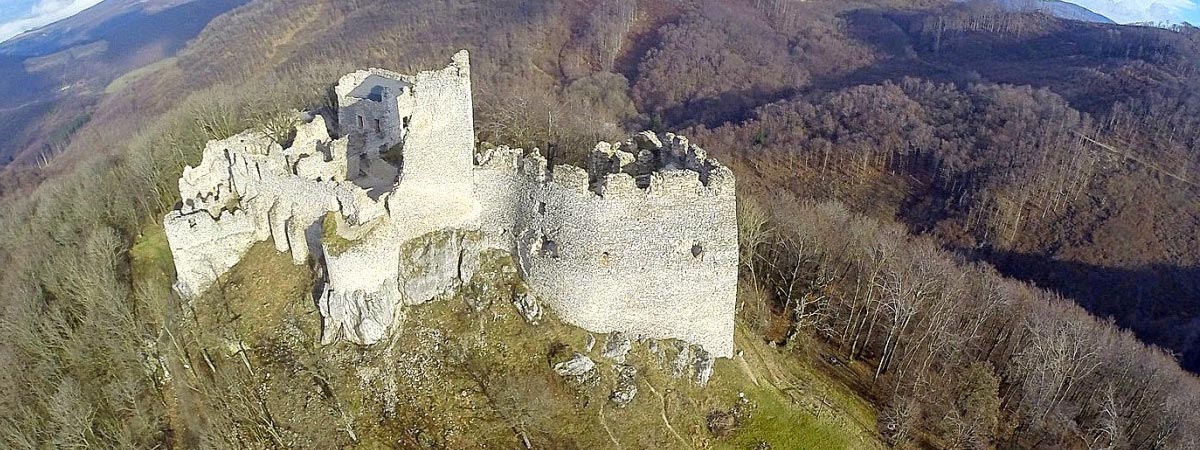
(333, 242)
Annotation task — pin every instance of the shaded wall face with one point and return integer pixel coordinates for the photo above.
(378, 123)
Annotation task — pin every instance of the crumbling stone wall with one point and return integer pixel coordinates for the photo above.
(246, 190)
(655, 257)
(644, 241)
(374, 105)
(204, 247)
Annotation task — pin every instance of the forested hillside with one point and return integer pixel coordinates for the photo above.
(1059, 151)
(950, 212)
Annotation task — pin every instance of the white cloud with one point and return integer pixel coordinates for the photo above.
(44, 13)
(1131, 11)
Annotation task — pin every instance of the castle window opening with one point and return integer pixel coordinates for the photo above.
(378, 126)
(361, 123)
(549, 249)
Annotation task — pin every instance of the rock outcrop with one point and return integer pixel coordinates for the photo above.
(617, 347)
(579, 369)
(626, 388)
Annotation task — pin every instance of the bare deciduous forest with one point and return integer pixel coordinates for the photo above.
(983, 223)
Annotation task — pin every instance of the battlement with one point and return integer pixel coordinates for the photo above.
(655, 163)
(506, 159)
(676, 168)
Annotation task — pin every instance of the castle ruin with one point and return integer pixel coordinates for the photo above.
(391, 198)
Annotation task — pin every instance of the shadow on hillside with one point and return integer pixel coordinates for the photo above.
(1160, 302)
(1056, 56)
(731, 106)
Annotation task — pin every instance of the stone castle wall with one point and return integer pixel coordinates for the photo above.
(644, 241)
(247, 190)
(367, 284)
(657, 259)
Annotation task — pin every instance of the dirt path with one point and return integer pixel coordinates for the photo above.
(794, 388)
(775, 379)
(742, 364)
(664, 416)
(604, 423)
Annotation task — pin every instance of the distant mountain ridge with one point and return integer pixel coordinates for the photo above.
(72, 61)
(1056, 8)
(85, 26)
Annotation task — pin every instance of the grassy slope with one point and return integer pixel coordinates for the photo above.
(486, 376)
(132, 76)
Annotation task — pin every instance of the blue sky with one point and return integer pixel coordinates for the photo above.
(17, 16)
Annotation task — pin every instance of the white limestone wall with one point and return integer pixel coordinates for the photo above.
(633, 250)
(435, 190)
(440, 146)
(622, 261)
(289, 206)
(314, 155)
(387, 112)
(370, 282)
(204, 247)
(246, 190)
(393, 106)
(362, 298)
(507, 185)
